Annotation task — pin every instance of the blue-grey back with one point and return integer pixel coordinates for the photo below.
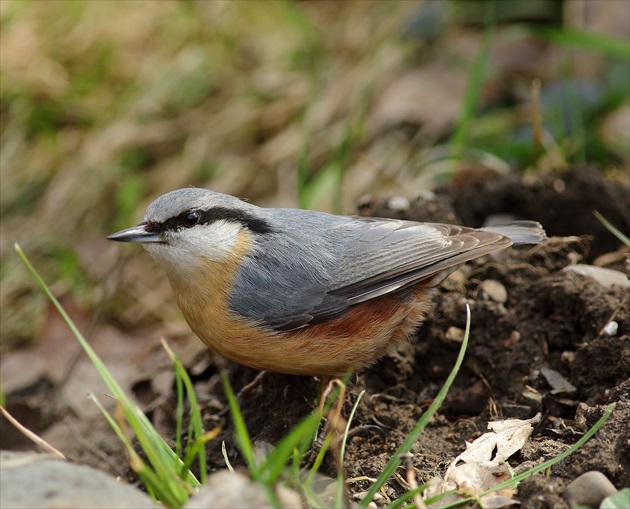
(311, 267)
(290, 270)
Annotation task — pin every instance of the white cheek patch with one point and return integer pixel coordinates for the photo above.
(187, 247)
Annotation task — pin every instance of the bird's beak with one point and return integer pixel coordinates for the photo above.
(135, 234)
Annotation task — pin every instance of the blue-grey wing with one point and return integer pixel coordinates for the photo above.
(309, 273)
(404, 253)
(391, 255)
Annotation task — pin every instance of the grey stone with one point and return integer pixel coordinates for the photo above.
(30, 480)
(227, 490)
(495, 291)
(589, 490)
(605, 277)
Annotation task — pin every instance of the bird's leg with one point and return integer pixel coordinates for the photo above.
(251, 385)
(334, 420)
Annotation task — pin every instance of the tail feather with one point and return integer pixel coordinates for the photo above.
(521, 232)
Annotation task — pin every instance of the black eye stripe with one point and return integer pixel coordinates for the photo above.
(208, 216)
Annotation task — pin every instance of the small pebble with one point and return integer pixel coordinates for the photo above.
(495, 291)
(559, 186)
(558, 383)
(425, 195)
(589, 490)
(532, 398)
(611, 328)
(398, 203)
(455, 334)
(378, 497)
(515, 337)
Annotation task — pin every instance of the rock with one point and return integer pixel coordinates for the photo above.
(399, 203)
(558, 383)
(611, 328)
(589, 490)
(568, 357)
(532, 398)
(226, 489)
(454, 334)
(30, 480)
(605, 277)
(495, 291)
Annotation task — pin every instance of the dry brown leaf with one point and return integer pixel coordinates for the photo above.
(483, 464)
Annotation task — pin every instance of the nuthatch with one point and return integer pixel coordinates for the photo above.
(304, 292)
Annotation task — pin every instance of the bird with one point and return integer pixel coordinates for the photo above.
(300, 291)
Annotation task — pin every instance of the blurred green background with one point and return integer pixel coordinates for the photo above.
(106, 105)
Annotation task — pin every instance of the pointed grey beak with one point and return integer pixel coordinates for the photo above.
(135, 234)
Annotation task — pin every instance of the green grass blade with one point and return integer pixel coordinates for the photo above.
(112, 422)
(198, 448)
(195, 428)
(225, 458)
(342, 155)
(618, 500)
(473, 91)
(611, 46)
(155, 487)
(277, 459)
(339, 493)
(108, 379)
(303, 193)
(161, 456)
(179, 414)
(242, 435)
(406, 497)
(612, 229)
(328, 181)
(393, 464)
(319, 459)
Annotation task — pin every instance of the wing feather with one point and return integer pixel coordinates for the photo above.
(355, 260)
(391, 255)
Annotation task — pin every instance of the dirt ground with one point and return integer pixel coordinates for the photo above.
(538, 346)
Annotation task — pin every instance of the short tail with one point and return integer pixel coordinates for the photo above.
(521, 232)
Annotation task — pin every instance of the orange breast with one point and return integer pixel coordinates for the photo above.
(352, 341)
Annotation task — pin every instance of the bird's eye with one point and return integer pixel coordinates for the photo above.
(191, 219)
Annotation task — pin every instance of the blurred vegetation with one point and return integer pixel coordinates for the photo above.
(106, 105)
